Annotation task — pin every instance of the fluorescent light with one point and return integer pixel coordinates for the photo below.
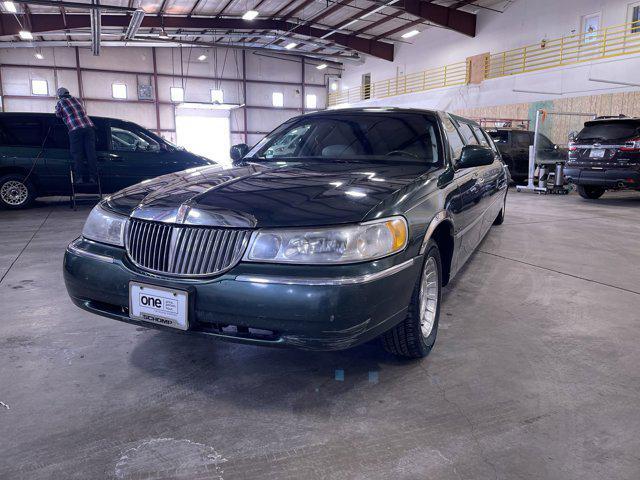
(411, 33)
(334, 86)
(291, 45)
(250, 15)
(202, 57)
(25, 35)
(10, 7)
(39, 56)
(322, 66)
(134, 24)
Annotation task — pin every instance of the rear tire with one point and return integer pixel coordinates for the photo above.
(415, 336)
(590, 193)
(16, 191)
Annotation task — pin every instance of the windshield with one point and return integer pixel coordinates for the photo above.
(609, 131)
(386, 136)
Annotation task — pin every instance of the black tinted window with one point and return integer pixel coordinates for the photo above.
(57, 136)
(608, 131)
(467, 133)
(501, 137)
(359, 136)
(521, 139)
(21, 132)
(455, 141)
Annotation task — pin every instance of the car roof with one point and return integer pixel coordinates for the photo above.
(382, 110)
(612, 119)
(48, 115)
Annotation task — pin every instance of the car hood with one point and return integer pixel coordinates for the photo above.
(272, 194)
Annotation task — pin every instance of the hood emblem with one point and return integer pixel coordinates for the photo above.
(183, 212)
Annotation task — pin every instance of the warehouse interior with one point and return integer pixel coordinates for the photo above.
(534, 373)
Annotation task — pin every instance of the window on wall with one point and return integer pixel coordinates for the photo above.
(311, 101)
(590, 27)
(217, 96)
(39, 87)
(119, 91)
(277, 99)
(633, 17)
(177, 94)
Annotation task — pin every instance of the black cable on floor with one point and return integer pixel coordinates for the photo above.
(27, 244)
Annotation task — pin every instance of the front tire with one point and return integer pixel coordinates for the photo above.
(415, 336)
(16, 191)
(590, 193)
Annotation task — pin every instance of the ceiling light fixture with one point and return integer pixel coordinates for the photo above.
(10, 7)
(250, 15)
(134, 24)
(322, 66)
(38, 55)
(202, 57)
(25, 35)
(291, 45)
(411, 33)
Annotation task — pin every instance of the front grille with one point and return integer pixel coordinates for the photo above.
(184, 250)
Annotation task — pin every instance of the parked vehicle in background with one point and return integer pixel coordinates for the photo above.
(605, 155)
(338, 227)
(35, 158)
(514, 147)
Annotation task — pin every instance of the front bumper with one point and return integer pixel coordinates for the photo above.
(612, 178)
(319, 308)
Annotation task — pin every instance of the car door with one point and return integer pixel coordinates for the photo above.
(494, 181)
(133, 156)
(22, 138)
(467, 207)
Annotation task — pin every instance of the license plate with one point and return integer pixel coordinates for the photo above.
(160, 305)
(597, 153)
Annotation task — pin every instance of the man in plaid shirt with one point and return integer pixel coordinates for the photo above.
(82, 136)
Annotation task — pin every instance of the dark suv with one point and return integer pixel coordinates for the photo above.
(514, 147)
(35, 158)
(605, 156)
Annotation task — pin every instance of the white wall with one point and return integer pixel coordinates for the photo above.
(172, 65)
(524, 22)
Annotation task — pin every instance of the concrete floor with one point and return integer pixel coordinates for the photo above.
(535, 374)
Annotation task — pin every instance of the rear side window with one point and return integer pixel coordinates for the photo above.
(467, 133)
(21, 132)
(617, 130)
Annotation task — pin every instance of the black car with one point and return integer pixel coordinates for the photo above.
(605, 156)
(35, 158)
(514, 147)
(349, 235)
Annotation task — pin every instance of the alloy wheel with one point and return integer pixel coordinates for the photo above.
(14, 192)
(429, 296)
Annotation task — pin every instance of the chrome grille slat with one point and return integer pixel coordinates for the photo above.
(184, 250)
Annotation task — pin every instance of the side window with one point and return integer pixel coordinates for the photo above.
(57, 135)
(123, 139)
(22, 132)
(483, 141)
(544, 143)
(467, 133)
(491, 142)
(455, 142)
(521, 139)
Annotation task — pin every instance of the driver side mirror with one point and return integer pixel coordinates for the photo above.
(475, 156)
(237, 152)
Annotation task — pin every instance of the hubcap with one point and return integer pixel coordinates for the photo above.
(14, 192)
(429, 296)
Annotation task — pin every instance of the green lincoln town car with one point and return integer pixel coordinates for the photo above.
(347, 234)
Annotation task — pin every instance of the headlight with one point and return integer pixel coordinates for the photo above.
(104, 226)
(332, 245)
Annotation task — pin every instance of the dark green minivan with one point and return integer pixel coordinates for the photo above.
(35, 159)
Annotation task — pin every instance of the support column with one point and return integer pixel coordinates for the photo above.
(244, 96)
(79, 74)
(302, 89)
(156, 100)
